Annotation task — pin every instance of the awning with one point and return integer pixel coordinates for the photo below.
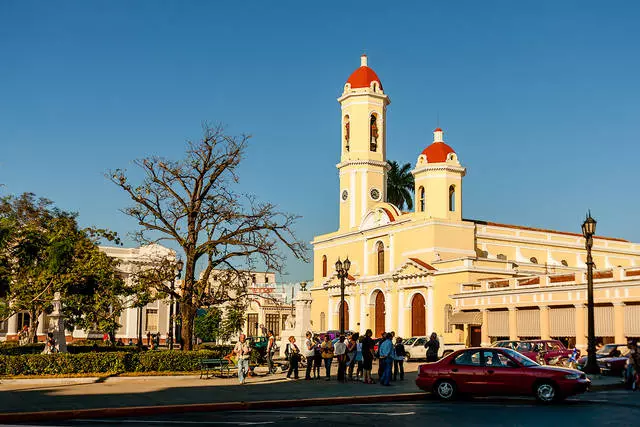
(466, 318)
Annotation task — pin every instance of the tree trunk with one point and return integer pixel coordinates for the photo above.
(33, 326)
(188, 314)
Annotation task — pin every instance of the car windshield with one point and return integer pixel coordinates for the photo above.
(523, 360)
(607, 349)
(409, 341)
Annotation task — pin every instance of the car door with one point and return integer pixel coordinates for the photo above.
(418, 351)
(502, 375)
(467, 371)
(554, 349)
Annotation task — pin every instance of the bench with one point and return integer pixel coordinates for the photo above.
(215, 365)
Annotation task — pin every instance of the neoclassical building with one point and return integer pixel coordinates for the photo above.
(427, 270)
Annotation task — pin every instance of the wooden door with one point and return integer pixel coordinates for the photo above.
(379, 320)
(345, 313)
(475, 335)
(418, 316)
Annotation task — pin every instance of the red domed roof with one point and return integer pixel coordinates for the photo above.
(363, 76)
(437, 152)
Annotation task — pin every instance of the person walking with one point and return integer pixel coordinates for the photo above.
(398, 362)
(352, 347)
(327, 355)
(292, 353)
(341, 354)
(309, 354)
(317, 358)
(367, 356)
(271, 348)
(386, 359)
(383, 337)
(359, 371)
(242, 351)
(432, 346)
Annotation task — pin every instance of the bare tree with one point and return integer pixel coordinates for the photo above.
(191, 202)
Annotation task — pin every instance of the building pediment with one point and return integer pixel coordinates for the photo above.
(380, 215)
(413, 267)
(333, 280)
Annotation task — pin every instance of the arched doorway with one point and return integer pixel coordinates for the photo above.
(418, 322)
(379, 314)
(345, 311)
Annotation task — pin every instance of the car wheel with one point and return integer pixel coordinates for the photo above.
(445, 389)
(546, 392)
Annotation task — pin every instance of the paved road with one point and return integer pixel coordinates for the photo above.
(597, 408)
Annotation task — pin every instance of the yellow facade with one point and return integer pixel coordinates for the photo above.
(406, 267)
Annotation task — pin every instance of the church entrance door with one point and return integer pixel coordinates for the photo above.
(345, 313)
(418, 321)
(379, 317)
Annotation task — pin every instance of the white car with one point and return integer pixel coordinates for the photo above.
(415, 349)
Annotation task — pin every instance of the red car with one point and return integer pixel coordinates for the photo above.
(498, 371)
(548, 348)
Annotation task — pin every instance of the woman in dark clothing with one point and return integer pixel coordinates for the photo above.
(433, 346)
(367, 356)
(317, 358)
(398, 363)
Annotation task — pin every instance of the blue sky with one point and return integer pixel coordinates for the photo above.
(541, 100)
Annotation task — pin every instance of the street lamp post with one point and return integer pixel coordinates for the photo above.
(179, 266)
(588, 230)
(342, 268)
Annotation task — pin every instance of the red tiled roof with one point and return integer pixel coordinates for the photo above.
(350, 277)
(562, 278)
(423, 264)
(437, 152)
(543, 230)
(362, 77)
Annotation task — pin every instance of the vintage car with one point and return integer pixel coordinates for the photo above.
(606, 351)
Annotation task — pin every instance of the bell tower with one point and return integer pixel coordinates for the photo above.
(363, 161)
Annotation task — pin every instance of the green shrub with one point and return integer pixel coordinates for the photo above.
(13, 349)
(108, 362)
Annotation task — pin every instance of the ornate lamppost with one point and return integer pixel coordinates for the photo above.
(179, 266)
(342, 268)
(588, 230)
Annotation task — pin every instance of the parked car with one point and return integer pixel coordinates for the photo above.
(506, 344)
(415, 349)
(498, 371)
(614, 365)
(548, 349)
(607, 350)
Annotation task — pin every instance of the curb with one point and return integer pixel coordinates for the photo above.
(139, 411)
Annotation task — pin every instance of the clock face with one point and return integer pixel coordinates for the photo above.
(375, 194)
(345, 195)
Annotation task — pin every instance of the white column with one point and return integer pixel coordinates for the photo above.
(132, 323)
(12, 326)
(42, 328)
(365, 193)
(391, 252)
(430, 311)
(365, 257)
(401, 314)
(330, 314)
(352, 200)
(388, 311)
(363, 313)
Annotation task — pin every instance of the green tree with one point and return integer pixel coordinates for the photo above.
(233, 319)
(400, 185)
(192, 202)
(43, 251)
(209, 327)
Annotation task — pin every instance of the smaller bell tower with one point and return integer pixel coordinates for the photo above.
(363, 160)
(438, 181)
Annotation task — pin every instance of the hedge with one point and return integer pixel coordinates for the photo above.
(109, 362)
(37, 348)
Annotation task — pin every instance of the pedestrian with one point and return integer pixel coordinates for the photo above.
(242, 351)
(367, 356)
(327, 355)
(309, 353)
(292, 353)
(398, 363)
(271, 347)
(317, 357)
(383, 337)
(432, 346)
(633, 372)
(385, 350)
(360, 371)
(148, 338)
(340, 352)
(352, 349)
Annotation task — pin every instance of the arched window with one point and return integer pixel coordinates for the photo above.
(421, 199)
(347, 132)
(324, 266)
(448, 312)
(380, 251)
(452, 198)
(373, 133)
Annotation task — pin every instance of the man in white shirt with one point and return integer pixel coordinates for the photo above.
(242, 350)
(340, 352)
(308, 352)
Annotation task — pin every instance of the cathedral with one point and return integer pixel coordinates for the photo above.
(433, 270)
